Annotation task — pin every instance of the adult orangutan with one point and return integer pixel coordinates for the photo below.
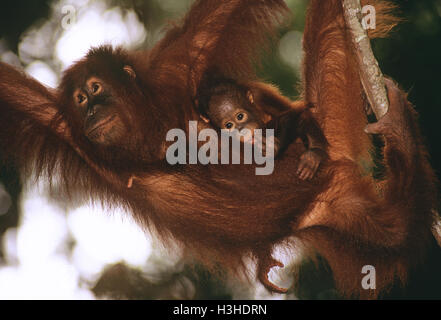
(109, 117)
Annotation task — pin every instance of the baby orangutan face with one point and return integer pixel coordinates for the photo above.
(234, 112)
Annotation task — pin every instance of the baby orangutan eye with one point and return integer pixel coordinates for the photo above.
(229, 125)
(241, 116)
(96, 88)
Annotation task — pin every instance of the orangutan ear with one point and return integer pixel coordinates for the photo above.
(250, 96)
(130, 71)
(205, 119)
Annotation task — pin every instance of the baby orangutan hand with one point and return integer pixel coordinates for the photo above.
(309, 163)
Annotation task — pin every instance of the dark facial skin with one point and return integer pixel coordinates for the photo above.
(96, 104)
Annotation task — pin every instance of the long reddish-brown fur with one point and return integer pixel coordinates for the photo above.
(222, 214)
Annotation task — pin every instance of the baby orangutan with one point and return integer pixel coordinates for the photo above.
(230, 105)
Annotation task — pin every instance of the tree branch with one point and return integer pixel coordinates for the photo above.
(370, 73)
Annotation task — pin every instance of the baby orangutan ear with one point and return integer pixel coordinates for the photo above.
(130, 71)
(250, 96)
(205, 119)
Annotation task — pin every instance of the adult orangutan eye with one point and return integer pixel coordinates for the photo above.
(80, 98)
(96, 88)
